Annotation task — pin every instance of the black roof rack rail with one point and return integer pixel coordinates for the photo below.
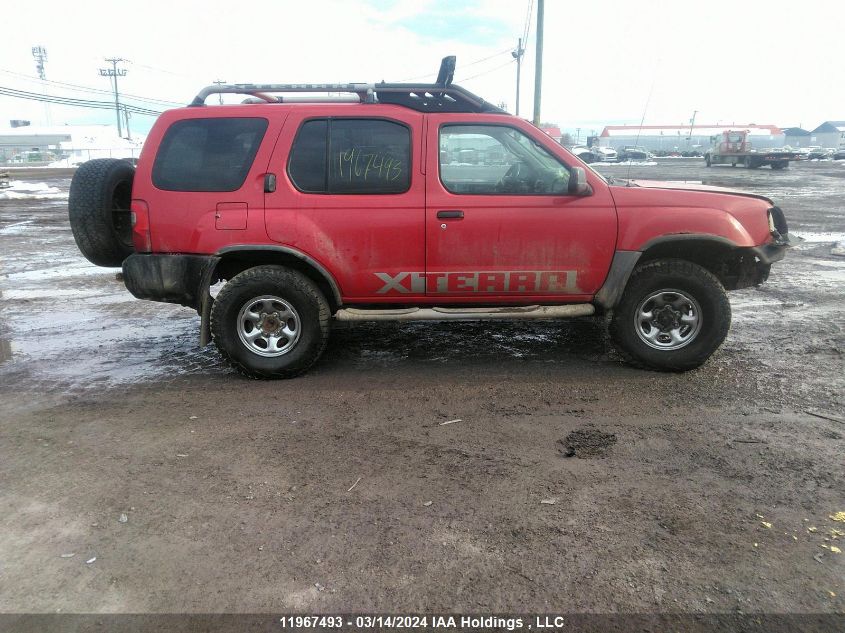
(440, 96)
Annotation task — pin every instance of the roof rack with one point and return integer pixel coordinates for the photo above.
(440, 96)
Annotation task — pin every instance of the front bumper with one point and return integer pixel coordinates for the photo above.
(182, 279)
(774, 251)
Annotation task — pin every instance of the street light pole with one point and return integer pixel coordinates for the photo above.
(517, 55)
(40, 55)
(114, 72)
(538, 63)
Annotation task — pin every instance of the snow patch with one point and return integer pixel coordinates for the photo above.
(20, 190)
(636, 163)
(819, 238)
(66, 163)
(18, 228)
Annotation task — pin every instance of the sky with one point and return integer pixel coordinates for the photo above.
(604, 62)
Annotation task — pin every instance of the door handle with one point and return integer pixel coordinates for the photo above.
(452, 214)
(269, 183)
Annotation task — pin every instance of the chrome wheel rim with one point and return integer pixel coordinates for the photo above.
(668, 320)
(268, 326)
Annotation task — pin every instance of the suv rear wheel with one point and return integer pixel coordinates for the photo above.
(673, 315)
(270, 322)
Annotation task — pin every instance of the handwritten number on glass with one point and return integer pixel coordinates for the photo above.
(353, 163)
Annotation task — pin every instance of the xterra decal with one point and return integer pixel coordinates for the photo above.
(529, 281)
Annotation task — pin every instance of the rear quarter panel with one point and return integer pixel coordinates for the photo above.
(185, 221)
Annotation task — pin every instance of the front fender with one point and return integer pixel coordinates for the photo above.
(642, 228)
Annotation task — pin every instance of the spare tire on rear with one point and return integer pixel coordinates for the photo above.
(98, 206)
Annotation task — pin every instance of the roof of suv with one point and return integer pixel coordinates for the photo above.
(420, 97)
(440, 96)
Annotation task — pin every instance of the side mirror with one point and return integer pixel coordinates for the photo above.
(578, 185)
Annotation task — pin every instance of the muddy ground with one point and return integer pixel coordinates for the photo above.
(343, 490)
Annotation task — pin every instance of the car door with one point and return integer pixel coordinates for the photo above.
(501, 225)
(350, 195)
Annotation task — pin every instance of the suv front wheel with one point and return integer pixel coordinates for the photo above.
(673, 315)
(270, 322)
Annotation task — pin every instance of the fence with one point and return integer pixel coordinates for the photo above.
(11, 156)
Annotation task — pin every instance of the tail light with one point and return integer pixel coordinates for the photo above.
(141, 237)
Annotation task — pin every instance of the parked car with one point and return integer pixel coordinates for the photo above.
(634, 153)
(595, 154)
(820, 153)
(839, 154)
(586, 154)
(608, 154)
(321, 210)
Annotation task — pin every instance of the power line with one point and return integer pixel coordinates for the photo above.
(71, 101)
(487, 72)
(158, 70)
(477, 61)
(81, 88)
(527, 28)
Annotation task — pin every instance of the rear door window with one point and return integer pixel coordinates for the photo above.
(208, 154)
(351, 156)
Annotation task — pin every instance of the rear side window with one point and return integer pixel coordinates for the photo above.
(351, 156)
(308, 157)
(208, 154)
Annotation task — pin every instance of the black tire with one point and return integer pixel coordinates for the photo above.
(308, 305)
(670, 275)
(98, 208)
(782, 164)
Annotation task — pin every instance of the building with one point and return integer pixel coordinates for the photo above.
(829, 134)
(39, 145)
(685, 138)
(553, 131)
(796, 137)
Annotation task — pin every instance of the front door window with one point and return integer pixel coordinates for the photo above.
(496, 159)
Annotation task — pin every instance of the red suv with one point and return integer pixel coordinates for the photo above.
(409, 202)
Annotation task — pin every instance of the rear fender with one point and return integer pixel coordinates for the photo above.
(235, 259)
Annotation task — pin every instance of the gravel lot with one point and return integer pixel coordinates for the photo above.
(343, 490)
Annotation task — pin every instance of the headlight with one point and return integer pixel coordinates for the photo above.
(777, 221)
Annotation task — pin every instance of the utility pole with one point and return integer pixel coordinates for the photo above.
(220, 82)
(115, 72)
(538, 63)
(126, 116)
(691, 125)
(517, 55)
